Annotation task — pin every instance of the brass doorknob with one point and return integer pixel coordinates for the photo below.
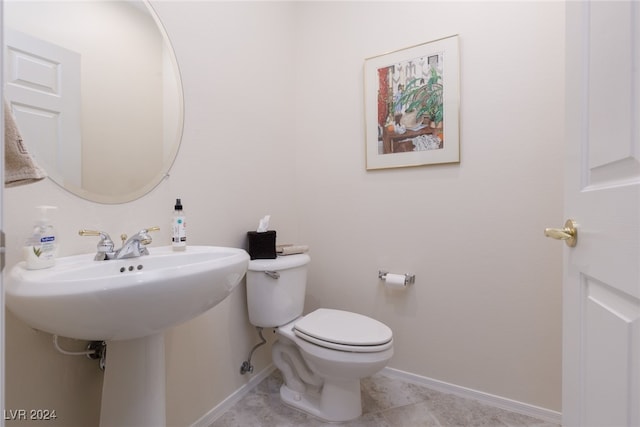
(569, 233)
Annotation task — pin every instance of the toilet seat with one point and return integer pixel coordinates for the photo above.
(343, 330)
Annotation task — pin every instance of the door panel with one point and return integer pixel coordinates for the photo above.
(610, 337)
(610, 79)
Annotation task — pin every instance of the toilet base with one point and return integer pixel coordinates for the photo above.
(337, 401)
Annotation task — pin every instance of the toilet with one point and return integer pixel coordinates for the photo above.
(322, 355)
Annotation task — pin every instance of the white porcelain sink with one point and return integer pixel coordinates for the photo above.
(123, 299)
(128, 303)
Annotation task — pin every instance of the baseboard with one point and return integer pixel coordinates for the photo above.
(215, 413)
(489, 399)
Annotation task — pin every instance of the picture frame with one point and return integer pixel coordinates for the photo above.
(412, 101)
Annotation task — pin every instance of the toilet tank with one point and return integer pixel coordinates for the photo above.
(276, 289)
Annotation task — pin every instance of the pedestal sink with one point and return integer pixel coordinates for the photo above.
(127, 303)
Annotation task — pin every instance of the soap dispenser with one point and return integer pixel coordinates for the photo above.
(41, 247)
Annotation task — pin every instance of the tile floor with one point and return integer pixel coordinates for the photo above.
(386, 402)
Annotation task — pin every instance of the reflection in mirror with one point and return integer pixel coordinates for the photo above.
(96, 93)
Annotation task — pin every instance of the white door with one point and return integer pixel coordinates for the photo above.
(601, 289)
(43, 89)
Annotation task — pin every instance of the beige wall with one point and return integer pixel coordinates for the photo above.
(485, 312)
(274, 124)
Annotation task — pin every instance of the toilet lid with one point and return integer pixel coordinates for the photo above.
(343, 330)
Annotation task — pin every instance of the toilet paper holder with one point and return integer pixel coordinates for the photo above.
(409, 279)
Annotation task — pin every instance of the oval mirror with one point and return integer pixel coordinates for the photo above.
(96, 92)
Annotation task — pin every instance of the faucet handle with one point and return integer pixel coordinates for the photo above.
(85, 232)
(143, 235)
(105, 245)
(146, 231)
(103, 235)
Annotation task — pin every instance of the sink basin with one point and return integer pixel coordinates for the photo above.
(124, 299)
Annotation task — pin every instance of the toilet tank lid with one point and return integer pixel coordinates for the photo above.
(279, 263)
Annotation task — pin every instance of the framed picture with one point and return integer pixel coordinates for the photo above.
(412, 99)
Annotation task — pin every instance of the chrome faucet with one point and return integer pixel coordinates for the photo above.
(131, 248)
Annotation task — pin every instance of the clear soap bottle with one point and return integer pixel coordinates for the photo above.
(41, 246)
(178, 227)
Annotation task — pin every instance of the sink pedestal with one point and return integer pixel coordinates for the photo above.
(133, 391)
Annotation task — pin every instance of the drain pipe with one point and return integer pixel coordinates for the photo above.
(246, 365)
(95, 350)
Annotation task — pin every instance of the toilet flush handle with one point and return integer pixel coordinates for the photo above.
(272, 274)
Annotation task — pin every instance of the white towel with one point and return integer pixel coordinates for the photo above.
(289, 249)
(19, 167)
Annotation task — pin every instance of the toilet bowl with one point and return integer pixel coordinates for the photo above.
(330, 377)
(322, 355)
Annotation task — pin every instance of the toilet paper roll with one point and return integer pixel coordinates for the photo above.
(395, 281)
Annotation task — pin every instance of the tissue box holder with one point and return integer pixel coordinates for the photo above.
(262, 245)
